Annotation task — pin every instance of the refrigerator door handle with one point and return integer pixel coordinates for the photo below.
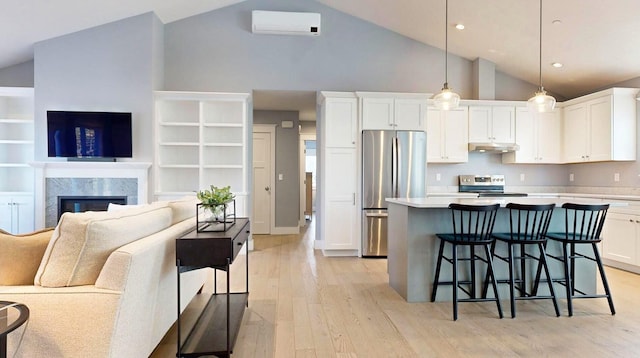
(376, 215)
(395, 167)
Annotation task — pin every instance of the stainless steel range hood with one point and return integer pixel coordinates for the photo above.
(493, 147)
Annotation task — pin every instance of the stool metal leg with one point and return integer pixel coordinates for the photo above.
(567, 276)
(438, 266)
(493, 279)
(455, 282)
(543, 262)
(512, 280)
(605, 283)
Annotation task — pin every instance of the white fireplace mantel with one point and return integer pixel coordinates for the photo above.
(43, 170)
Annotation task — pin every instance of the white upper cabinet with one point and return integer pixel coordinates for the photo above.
(601, 127)
(392, 111)
(447, 135)
(342, 128)
(539, 136)
(492, 124)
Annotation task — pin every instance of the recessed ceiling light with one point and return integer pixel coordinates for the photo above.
(460, 26)
(556, 64)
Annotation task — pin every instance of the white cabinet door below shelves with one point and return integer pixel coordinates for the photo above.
(17, 214)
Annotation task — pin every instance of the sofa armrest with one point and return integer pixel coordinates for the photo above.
(64, 322)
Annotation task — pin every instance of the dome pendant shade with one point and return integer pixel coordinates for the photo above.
(447, 99)
(541, 102)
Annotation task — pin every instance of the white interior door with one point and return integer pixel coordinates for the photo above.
(262, 186)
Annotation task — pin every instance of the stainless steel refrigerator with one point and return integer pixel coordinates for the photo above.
(393, 166)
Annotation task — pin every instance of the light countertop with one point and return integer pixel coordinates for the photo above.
(431, 202)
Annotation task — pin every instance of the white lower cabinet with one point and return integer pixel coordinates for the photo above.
(17, 214)
(621, 241)
(340, 200)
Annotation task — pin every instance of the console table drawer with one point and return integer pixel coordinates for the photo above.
(211, 249)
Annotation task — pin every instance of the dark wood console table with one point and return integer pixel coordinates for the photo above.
(215, 331)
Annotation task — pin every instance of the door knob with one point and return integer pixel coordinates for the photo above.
(266, 188)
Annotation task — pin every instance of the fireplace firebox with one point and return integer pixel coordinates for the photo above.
(77, 204)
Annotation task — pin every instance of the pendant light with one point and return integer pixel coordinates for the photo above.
(446, 99)
(541, 101)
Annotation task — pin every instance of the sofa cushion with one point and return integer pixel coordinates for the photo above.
(20, 256)
(82, 242)
(183, 208)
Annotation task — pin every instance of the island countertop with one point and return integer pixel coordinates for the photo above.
(443, 202)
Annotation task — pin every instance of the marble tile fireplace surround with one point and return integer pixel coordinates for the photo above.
(86, 179)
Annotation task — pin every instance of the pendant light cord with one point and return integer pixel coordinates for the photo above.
(446, 43)
(540, 51)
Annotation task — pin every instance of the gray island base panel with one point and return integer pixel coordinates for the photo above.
(413, 247)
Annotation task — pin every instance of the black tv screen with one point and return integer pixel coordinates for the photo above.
(89, 134)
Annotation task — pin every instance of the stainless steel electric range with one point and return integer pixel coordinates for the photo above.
(484, 185)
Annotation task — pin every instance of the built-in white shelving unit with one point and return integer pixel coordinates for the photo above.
(201, 141)
(16, 151)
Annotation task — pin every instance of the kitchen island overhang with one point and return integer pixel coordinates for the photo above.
(413, 250)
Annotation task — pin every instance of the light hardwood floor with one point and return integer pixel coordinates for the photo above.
(302, 304)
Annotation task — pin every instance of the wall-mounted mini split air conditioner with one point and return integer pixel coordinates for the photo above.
(285, 23)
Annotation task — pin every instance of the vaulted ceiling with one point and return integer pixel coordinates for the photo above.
(595, 40)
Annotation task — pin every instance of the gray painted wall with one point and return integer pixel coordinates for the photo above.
(217, 51)
(20, 75)
(287, 191)
(113, 67)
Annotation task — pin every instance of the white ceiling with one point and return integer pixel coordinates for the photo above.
(596, 40)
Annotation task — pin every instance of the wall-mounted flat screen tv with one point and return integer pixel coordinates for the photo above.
(72, 134)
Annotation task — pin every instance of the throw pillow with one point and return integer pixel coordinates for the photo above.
(20, 256)
(118, 207)
(82, 242)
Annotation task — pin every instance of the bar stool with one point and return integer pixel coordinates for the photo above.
(528, 226)
(472, 226)
(583, 225)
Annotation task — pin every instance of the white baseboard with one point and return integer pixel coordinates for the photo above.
(338, 253)
(283, 230)
(621, 265)
(318, 244)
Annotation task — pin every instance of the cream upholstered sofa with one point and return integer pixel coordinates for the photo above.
(106, 284)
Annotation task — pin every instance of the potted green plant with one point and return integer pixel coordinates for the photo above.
(215, 200)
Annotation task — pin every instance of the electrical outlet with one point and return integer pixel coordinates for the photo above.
(571, 177)
(280, 177)
(438, 177)
(521, 177)
(616, 177)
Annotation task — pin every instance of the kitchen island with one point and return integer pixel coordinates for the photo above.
(413, 251)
